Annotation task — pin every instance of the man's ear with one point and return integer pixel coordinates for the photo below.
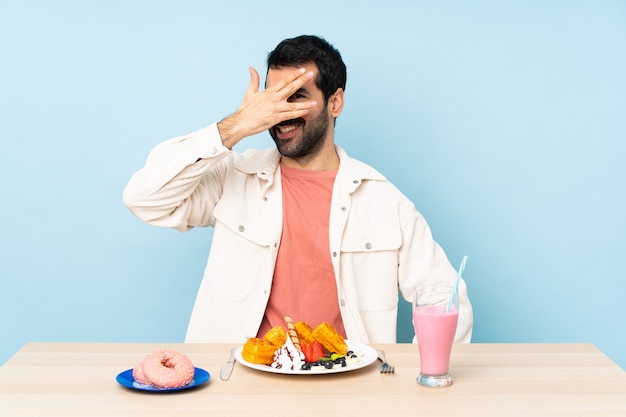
(335, 103)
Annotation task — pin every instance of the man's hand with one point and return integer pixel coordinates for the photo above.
(260, 110)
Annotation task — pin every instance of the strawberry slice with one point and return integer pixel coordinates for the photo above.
(307, 350)
(317, 351)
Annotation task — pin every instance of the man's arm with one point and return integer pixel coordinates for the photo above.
(423, 262)
(181, 180)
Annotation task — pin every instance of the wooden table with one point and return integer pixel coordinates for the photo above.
(78, 379)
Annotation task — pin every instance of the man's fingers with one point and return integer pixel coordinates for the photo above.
(291, 84)
(261, 110)
(301, 108)
(293, 114)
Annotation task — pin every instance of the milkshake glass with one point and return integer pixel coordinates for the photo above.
(435, 319)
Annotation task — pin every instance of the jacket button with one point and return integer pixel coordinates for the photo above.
(241, 228)
(212, 150)
(343, 208)
(334, 254)
(368, 245)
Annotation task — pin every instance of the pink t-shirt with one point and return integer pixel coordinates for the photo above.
(304, 285)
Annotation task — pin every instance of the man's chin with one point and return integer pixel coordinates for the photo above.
(285, 147)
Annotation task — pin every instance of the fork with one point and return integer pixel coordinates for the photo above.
(385, 368)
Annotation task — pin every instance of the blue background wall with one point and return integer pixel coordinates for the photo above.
(504, 121)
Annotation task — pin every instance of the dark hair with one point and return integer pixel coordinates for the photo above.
(306, 48)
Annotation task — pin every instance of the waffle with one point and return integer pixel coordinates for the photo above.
(257, 350)
(332, 341)
(305, 332)
(276, 336)
(260, 351)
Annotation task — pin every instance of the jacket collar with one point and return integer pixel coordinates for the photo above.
(265, 163)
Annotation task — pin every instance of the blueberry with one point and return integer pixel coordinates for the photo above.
(305, 367)
(328, 364)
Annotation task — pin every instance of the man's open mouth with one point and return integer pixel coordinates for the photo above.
(283, 130)
(288, 129)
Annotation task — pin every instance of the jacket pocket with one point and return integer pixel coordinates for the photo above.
(369, 262)
(371, 238)
(240, 254)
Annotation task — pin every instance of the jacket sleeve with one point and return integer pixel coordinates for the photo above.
(422, 262)
(181, 181)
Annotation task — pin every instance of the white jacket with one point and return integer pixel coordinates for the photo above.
(379, 243)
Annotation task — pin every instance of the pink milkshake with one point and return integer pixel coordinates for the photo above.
(435, 315)
(435, 329)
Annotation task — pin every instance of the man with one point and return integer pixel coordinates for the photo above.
(302, 229)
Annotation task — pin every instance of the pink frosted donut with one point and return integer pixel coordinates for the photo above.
(167, 369)
(138, 374)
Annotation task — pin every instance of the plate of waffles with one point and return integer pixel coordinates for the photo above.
(359, 356)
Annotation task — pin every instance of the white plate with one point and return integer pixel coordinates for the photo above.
(369, 357)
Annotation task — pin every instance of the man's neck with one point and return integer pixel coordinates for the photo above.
(326, 159)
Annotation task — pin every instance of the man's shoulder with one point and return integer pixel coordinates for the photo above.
(372, 181)
(358, 168)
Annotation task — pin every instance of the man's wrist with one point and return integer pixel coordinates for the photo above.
(227, 129)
